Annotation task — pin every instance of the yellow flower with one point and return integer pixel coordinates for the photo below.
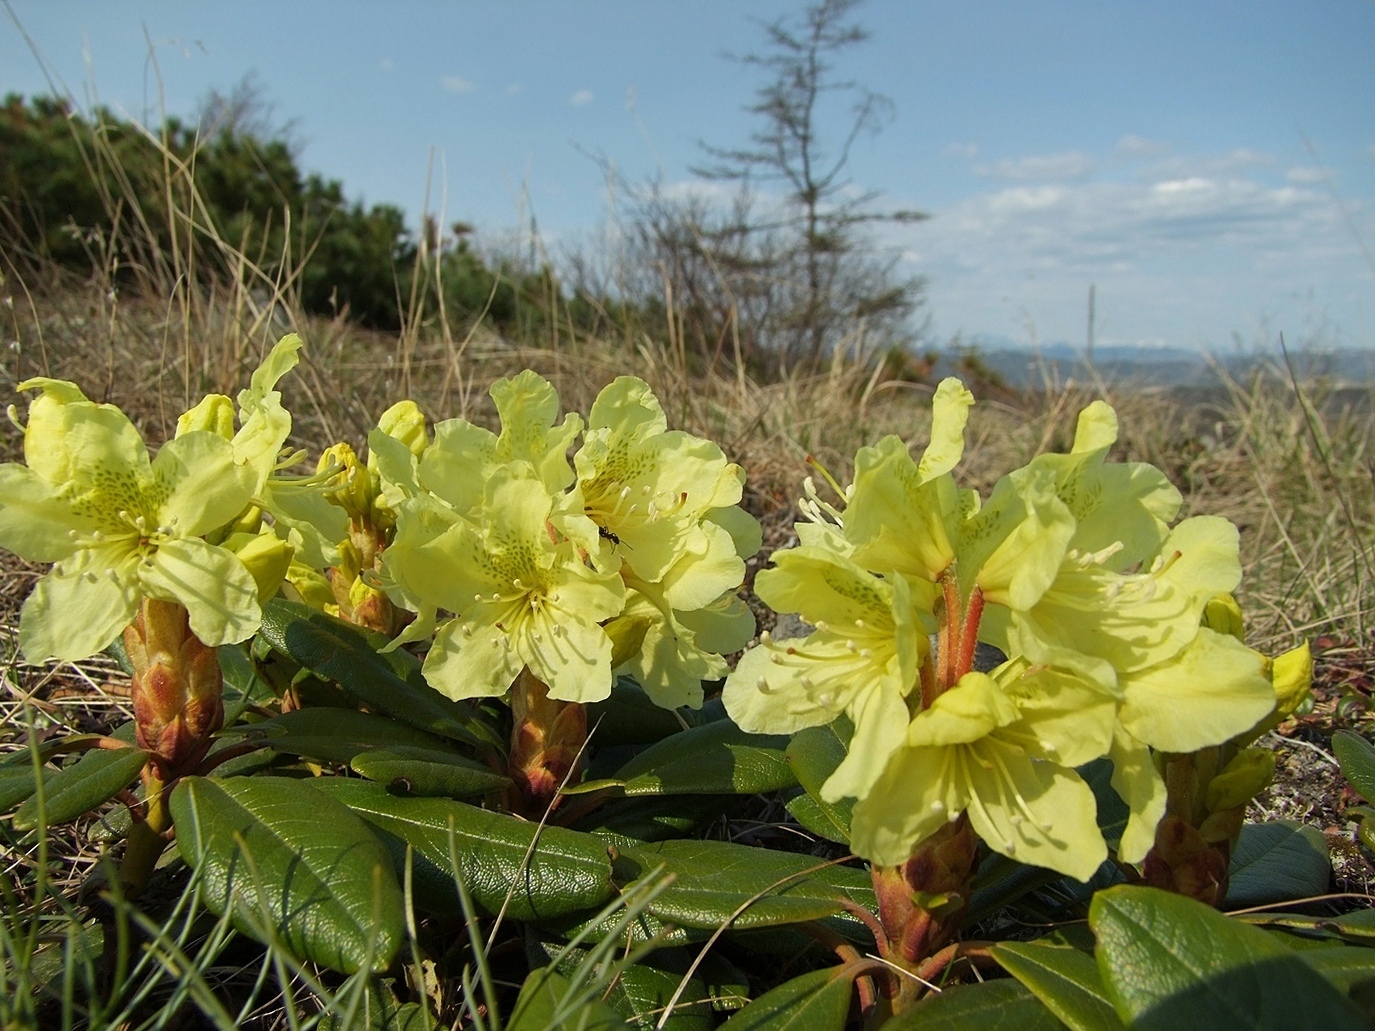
(120, 527)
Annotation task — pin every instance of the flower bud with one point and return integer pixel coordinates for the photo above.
(215, 413)
(1292, 676)
(1223, 614)
(1250, 772)
(267, 557)
(177, 687)
(406, 423)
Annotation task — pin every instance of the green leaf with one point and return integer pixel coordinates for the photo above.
(713, 759)
(1003, 1005)
(818, 1001)
(1171, 962)
(644, 988)
(549, 1002)
(566, 872)
(632, 821)
(1275, 862)
(628, 717)
(242, 685)
(95, 778)
(822, 819)
(389, 683)
(337, 735)
(1065, 979)
(1356, 927)
(814, 754)
(17, 783)
(1357, 758)
(1346, 966)
(716, 881)
(427, 771)
(292, 864)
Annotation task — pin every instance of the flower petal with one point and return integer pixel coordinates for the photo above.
(1138, 782)
(217, 590)
(1031, 811)
(915, 796)
(203, 486)
(35, 521)
(477, 665)
(1213, 690)
(575, 662)
(71, 617)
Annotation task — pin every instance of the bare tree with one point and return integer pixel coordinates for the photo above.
(831, 268)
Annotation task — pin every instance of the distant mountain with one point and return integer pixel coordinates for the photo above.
(1160, 366)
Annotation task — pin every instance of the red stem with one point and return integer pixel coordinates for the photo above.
(950, 632)
(969, 637)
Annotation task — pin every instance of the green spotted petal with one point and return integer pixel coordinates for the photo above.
(823, 587)
(205, 488)
(70, 617)
(780, 706)
(1064, 718)
(217, 590)
(1013, 548)
(897, 520)
(1213, 690)
(35, 522)
(69, 440)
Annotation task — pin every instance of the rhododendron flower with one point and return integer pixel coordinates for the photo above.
(120, 526)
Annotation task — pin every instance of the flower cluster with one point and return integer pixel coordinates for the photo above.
(625, 560)
(121, 527)
(1072, 569)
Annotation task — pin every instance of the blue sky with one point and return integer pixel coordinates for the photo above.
(1208, 165)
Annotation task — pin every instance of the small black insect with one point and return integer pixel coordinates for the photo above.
(608, 534)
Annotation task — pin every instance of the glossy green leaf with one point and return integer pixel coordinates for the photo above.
(822, 819)
(1357, 927)
(290, 863)
(1346, 966)
(1357, 758)
(548, 1001)
(814, 754)
(1275, 862)
(566, 872)
(389, 683)
(1170, 962)
(717, 881)
(95, 778)
(242, 685)
(1003, 1005)
(628, 717)
(713, 759)
(817, 1001)
(632, 821)
(1066, 980)
(427, 771)
(337, 735)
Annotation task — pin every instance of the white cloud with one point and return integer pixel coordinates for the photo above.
(514, 88)
(1305, 175)
(1070, 165)
(1186, 259)
(583, 96)
(456, 84)
(1134, 146)
(968, 151)
(386, 64)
